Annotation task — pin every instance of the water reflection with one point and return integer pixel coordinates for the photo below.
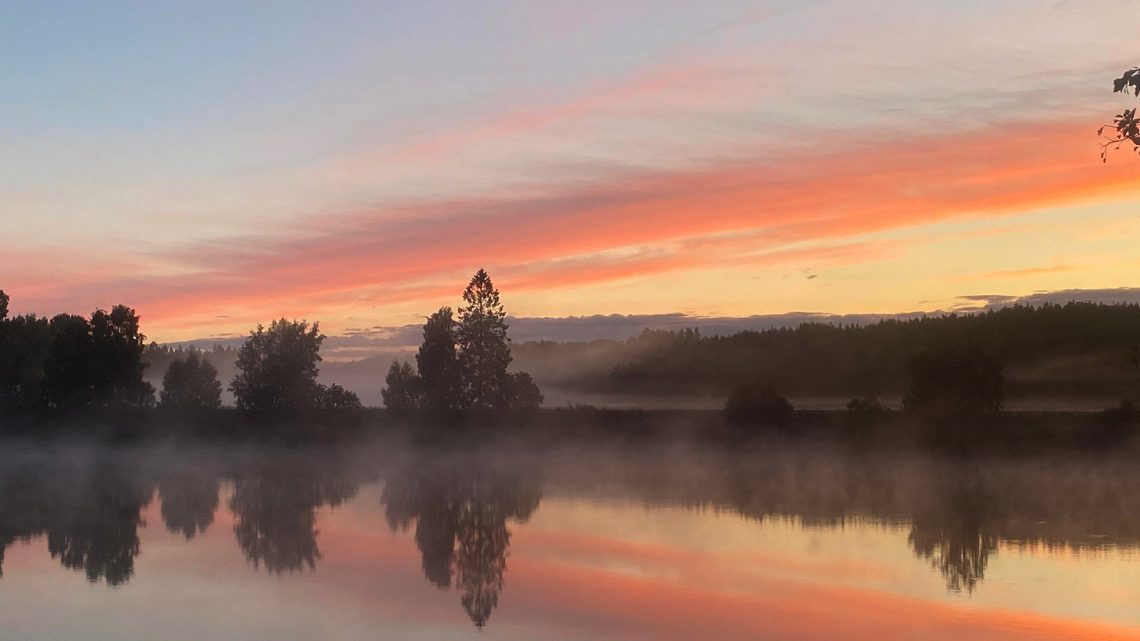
(461, 529)
(96, 529)
(958, 537)
(956, 516)
(89, 514)
(189, 499)
(275, 510)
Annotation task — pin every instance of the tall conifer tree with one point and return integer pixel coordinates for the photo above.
(484, 349)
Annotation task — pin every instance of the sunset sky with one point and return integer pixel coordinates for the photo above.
(215, 165)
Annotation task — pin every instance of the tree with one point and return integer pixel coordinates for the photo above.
(191, 383)
(523, 392)
(404, 387)
(68, 368)
(117, 368)
(279, 367)
(24, 345)
(484, 350)
(954, 380)
(3, 305)
(438, 363)
(1125, 127)
(757, 404)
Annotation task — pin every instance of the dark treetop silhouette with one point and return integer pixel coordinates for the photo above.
(278, 371)
(72, 362)
(463, 365)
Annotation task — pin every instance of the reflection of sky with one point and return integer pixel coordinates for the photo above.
(579, 569)
(216, 165)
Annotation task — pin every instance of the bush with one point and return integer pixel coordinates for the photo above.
(757, 404)
(864, 413)
(334, 397)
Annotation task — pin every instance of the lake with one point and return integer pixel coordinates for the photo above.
(632, 539)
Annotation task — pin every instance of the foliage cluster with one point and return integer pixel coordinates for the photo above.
(278, 371)
(462, 364)
(757, 404)
(1125, 127)
(70, 362)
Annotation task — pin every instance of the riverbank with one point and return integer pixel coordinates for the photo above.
(1009, 432)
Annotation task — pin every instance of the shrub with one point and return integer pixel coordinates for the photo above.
(757, 404)
(863, 413)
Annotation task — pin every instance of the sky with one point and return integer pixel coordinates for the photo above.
(216, 165)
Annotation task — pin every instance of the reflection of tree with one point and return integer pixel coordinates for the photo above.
(276, 515)
(22, 505)
(96, 530)
(957, 538)
(189, 501)
(461, 527)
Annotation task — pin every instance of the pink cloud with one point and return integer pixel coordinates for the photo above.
(564, 237)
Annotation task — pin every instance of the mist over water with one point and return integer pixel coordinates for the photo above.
(622, 538)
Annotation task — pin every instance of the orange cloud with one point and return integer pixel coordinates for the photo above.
(567, 236)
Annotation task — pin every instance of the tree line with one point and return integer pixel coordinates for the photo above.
(72, 363)
(1094, 349)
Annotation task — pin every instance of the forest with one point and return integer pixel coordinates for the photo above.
(1076, 350)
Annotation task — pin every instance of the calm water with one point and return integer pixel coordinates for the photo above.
(641, 541)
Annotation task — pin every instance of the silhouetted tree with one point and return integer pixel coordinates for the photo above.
(3, 305)
(757, 404)
(334, 397)
(438, 363)
(954, 380)
(117, 347)
(96, 362)
(24, 345)
(279, 367)
(403, 387)
(1125, 127)
(484, 350)
(191, 383)
(524, 393)
(69, 368)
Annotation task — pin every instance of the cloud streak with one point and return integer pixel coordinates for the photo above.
(805, 209)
